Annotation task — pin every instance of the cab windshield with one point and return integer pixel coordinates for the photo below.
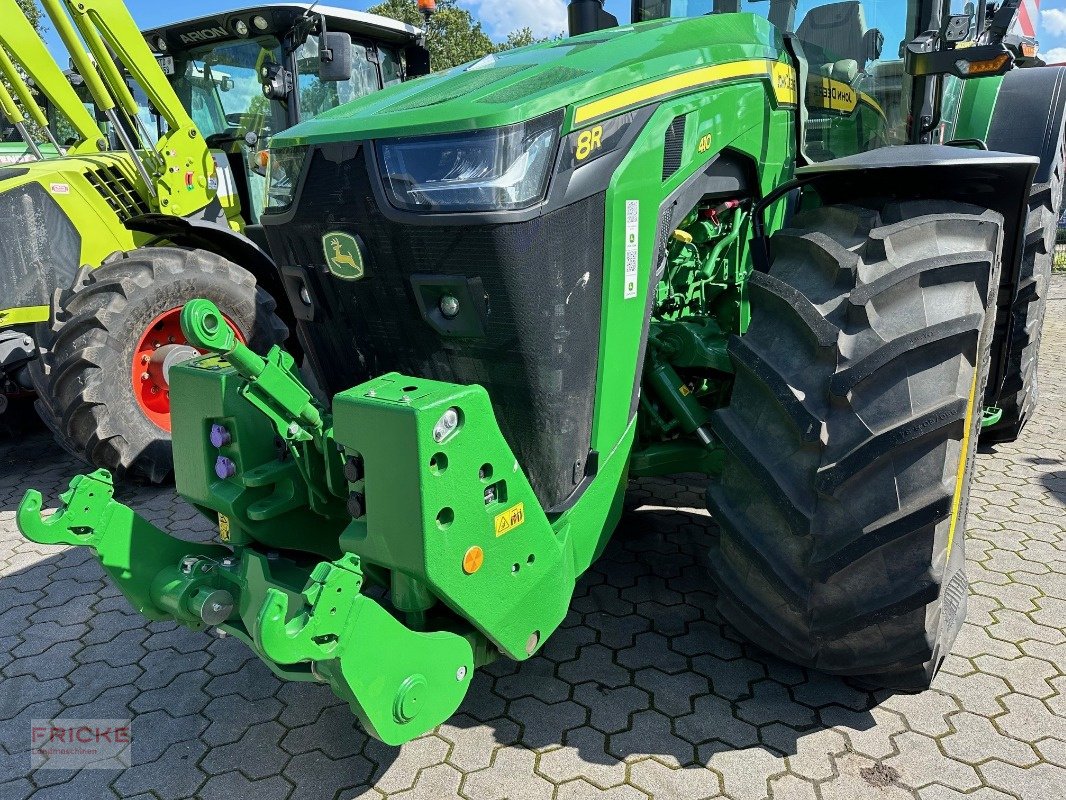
(317, 96)
(854, 56)
(222, 88)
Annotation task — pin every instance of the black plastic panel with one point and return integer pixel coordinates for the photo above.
(541, 280)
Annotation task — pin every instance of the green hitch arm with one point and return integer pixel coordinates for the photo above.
(270, 386)
(400, 683)
(134, 552)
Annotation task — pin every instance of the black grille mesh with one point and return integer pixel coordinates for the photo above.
(118, 190)
(539, 355)
(39, 247)
(673, 146)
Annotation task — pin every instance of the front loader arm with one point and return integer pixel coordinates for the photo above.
(32, 110)
(18, 38)
(177, 172)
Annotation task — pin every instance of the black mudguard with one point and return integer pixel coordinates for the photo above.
(999, 181)
(1030, 116)
(218, 237)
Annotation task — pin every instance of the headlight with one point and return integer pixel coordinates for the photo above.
(489, 170)
(283, 171)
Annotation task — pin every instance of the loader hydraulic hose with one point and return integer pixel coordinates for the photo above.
(14, 116)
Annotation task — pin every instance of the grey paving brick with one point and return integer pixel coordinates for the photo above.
(583, 755)
(643, 691)
(315, 776)
(175, 774)
(234, 784)
(659, 781)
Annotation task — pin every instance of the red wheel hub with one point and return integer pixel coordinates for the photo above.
(161, 346)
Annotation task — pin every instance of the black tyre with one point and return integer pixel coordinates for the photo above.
(102, 387)
(854, 412)
(1018, 395)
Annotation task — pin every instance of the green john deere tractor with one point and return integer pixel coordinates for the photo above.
(684, 244)
(157, 199)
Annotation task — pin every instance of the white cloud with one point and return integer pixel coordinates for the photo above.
(543, 17)
(1056, 55)
(1053, 20)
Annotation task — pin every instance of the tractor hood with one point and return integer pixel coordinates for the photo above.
(526, 83)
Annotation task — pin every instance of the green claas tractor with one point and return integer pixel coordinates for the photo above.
(157, 200)
(681, 245)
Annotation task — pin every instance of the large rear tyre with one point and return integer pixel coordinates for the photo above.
(103, 385)
(851, 433)
(1019, 395)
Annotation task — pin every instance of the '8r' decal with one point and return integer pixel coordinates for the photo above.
(588, 142)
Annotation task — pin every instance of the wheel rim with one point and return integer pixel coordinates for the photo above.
(162, 345)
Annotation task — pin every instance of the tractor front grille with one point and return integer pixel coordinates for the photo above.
(39, 247)
(542, 278)
(118, 190)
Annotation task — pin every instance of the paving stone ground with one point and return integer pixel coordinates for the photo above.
(643, 693)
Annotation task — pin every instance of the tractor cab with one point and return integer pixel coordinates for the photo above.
(247, 74)
(859, 94)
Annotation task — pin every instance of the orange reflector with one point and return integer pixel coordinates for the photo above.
(1029, 49)
(473, 560)
(991, 65)
(262, 158)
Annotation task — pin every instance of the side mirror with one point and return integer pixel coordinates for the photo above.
(873, 42)
(227, 84)
(417, 58)
(335, 57)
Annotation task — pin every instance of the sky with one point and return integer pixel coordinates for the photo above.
(1052, 31)
(544, 17)
(498, 17)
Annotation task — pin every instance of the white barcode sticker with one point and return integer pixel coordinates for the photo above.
(632, 225)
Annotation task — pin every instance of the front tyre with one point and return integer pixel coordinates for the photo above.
(851, 433)
(103, 386)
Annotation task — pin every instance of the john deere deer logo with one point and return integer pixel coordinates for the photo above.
(343, 256)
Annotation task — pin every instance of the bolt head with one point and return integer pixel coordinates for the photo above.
(460, 673)
(356, 505)
(448, 422)
(219, 436)
(225, 467)
(449, 306)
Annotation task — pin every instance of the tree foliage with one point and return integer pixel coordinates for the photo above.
(453, 36)
(32, 12)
